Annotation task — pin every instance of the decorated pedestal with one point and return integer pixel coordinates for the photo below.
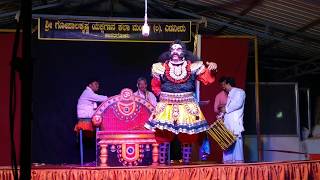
(120, 148)
(122, 139)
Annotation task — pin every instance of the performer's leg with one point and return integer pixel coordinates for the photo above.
(163, 138)
(186, 143)
(204, 149)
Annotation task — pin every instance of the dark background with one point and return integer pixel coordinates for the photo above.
(61, 70)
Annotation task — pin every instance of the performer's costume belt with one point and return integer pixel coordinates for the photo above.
(176, 98)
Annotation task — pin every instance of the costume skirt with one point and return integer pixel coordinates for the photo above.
(178, 113)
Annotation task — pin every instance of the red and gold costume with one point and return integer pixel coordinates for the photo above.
(178, 110)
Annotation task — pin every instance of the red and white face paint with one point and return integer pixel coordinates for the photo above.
(176, 53)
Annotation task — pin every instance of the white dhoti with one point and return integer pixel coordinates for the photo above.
(234, 154)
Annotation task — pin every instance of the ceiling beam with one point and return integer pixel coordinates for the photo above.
(13, 13)
(304, 28)
(241, 29)
(302, 70)
(310, 25)
(242, 13)
(307, 67)
(206, 7)
(8, 1)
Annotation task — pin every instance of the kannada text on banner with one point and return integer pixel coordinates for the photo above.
(112, 30)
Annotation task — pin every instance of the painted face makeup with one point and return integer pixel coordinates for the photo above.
(176, 52)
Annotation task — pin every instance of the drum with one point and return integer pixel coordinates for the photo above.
(221, 134)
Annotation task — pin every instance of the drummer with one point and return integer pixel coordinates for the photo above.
(233, 119)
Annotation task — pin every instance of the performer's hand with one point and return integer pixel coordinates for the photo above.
(223, 109)
(212, 66)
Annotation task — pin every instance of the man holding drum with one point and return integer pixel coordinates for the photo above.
(233, 119)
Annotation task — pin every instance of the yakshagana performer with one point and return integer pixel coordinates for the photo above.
(178, 112)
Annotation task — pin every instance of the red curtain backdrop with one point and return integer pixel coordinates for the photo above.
(6, 44)
(231, 55)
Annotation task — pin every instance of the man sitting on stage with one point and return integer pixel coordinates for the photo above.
(178, 112)
(144, 93)
(233, 119)
(87, 103)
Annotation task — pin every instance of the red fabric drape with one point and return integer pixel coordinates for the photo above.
(6, 44)
(231, 55)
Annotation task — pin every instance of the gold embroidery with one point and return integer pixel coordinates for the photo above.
(158, 69)
(178, 72)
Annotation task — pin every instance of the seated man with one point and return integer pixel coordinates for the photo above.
(144, 93)
(87, 103)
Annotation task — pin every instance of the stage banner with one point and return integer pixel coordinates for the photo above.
(112, 30)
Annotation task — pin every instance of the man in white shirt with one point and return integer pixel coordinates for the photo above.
(87, 103)
(233, 119)
(144, 93)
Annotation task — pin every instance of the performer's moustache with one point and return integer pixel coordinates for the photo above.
(180, 56)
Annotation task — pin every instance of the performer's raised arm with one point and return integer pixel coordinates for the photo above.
(205, 73)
